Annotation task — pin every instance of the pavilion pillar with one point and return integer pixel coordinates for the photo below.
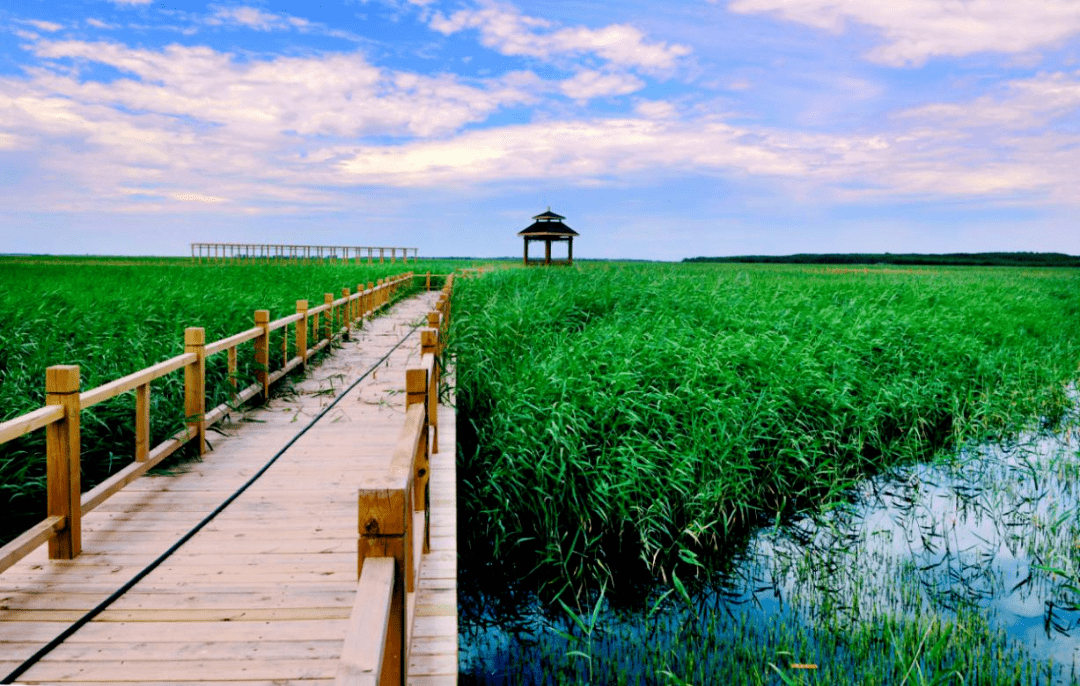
(547, 251)
(570, 251)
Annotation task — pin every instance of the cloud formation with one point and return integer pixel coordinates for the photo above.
(194, 125)
(917, 30)
(504, 28)
(251, 17)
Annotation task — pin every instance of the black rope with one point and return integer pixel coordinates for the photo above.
(82, 621)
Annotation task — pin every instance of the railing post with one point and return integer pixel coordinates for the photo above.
(345, 292)
(262, 352)
(195, 385)
(427, 283)
(63, 446)
(385, 530)
(416, 392)
(443, 307)
(371, 297)
(328, 327)
(429, 344)
(284, 345)
(301, 332)
(232, 361)
(142, 422)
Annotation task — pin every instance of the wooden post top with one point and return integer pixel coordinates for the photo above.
(301, 305)
(195, 335)
(328, 297)
(262, 316)
(62, 378)
(382, 512)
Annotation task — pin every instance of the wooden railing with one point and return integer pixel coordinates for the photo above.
(394, 529)
(64, 403)
(293, 254)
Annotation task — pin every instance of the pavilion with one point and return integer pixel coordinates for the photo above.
(548, 227)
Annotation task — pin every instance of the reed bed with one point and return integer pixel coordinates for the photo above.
(114, 316)
(621, 419)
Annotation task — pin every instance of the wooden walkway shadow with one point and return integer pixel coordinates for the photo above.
(262, 594)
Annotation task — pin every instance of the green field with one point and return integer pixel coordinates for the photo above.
(114, 316)
(641, 417)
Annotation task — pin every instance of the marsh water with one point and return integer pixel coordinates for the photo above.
(990, 534)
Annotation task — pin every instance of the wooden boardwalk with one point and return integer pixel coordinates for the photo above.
(262, 594)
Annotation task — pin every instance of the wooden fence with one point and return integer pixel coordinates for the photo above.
(65, 401)
(294, 254)
(394, 527)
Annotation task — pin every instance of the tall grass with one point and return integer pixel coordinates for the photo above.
(115, 316)
(629, 418)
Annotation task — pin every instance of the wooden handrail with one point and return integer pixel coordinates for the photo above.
(365, 641)
(31, 421)
(233, 341)
(394, 533)
(30, 540)
(131, 381)
(62, 528)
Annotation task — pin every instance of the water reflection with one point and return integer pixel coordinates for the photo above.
(995, 531)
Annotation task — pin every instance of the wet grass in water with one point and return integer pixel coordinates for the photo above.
(621, 424)
(959, 571)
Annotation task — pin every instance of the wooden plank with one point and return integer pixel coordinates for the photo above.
(29, 541)
(430, 665)
(158, 632)
(182, 652)
(185, 599)
(248, 614)
(194, 670)
(285, 321)
(31, 421)
(233, 341)
(362, 654)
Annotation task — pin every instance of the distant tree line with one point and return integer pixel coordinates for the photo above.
(991, 259)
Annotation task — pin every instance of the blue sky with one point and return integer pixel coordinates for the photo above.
(659, 129)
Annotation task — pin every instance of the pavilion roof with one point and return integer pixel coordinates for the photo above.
(549, 215)
(548, 228)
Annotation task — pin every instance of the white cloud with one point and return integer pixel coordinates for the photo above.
(98, 24)
(189, 125)
(196, 197)
(917, 30)
(656, 109)
(579, 150)
(335, 95)
(46, 26)
(130, 2)
(588, 84)
(1021, 104)
(198, 122)
(251, 17)
(504, 28)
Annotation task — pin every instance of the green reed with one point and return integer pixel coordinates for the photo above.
(636, 418)
(115, 316)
